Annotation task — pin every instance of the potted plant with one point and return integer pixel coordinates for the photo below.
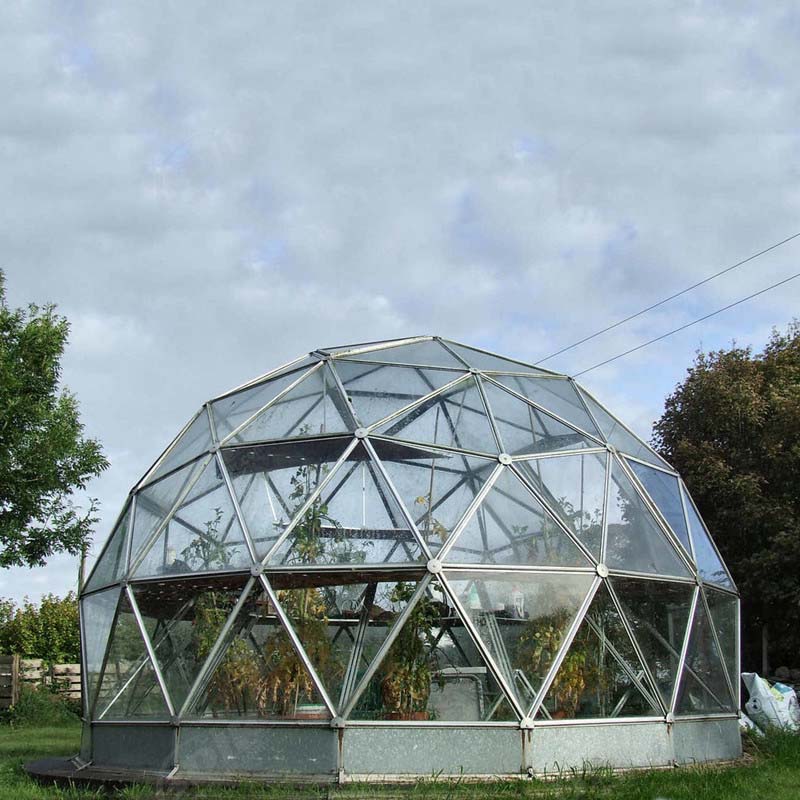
(286, 686)
(407, 669)
(231, 688)
(538, 645)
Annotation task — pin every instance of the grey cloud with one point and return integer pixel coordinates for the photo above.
(209, 191)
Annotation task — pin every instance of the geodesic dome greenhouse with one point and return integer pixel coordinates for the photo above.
(408, 557)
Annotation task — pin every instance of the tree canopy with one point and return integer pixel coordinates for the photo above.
(47, 630)
(732, 429)
(44, 457)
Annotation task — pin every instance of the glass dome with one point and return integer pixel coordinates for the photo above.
(407, 541)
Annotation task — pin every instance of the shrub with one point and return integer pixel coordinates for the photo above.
(39, 705)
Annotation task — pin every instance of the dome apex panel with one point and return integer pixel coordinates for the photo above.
(557, 395)
(312, 407)
(525, 429)
(426, 353)
(413, 539)
(485, 361)
(376, 391)
(454, 417)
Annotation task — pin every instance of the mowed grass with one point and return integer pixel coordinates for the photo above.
(770, 772)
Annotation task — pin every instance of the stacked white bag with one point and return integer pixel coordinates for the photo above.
(771, 706)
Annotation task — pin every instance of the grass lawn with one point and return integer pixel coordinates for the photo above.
(772, 772)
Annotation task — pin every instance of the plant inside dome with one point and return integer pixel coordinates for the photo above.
(407, 670)
(232, 687)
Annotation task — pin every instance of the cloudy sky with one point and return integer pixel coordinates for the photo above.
(207, 190)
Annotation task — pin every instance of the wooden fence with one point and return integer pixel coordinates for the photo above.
(16, 672)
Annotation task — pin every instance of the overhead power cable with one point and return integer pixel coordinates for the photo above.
(687, 325)
(671, 297)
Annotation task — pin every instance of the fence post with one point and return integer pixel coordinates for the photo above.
(14, 679)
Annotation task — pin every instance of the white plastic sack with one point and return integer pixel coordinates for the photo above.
(746, 724)
(771, 706)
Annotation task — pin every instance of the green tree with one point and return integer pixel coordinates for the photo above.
(732, 429)
(44, 457)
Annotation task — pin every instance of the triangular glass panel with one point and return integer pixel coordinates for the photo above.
(574, 487)
(203, 533)
(522, 619)
(724, 609)
(97, 613)
(664, 491)
(273, 481)
(658, 613)
(156, 500)
(231, 411)
(635, 541)
(511, 526)
(355, 520)
(618, 436)
(258, 673)
(183, 621)
(193, 442)
(703, 687)
(525, 429)
(111, 565)
(425, 354)
(453, 418)
(436, 486)
(489, 362)
(315, 406)
(557, 395)
(433, 670)
(709, 564)
(341, 623)
(601, 675)
(129, 688)
(377, 390)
